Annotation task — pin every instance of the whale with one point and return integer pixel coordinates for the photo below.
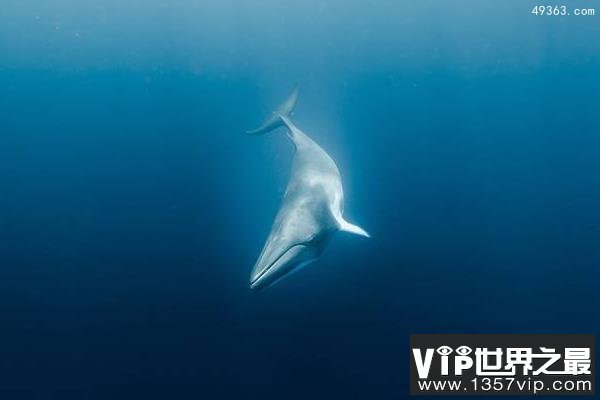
(311, 209)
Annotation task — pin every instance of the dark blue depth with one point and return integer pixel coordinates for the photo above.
(132, 205)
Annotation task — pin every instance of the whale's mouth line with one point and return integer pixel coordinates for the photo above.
(254, 281)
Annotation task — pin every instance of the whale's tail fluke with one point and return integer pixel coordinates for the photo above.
(274, 121)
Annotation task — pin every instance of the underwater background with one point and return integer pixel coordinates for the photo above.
(133, 206)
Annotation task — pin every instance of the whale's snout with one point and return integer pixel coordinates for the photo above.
(267, 272)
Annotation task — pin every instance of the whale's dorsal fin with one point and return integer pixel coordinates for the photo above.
(285, 109)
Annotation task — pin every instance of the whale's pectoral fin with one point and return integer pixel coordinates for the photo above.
(346, 226)
(274, 121)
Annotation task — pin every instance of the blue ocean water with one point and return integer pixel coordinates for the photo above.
(133, 206)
